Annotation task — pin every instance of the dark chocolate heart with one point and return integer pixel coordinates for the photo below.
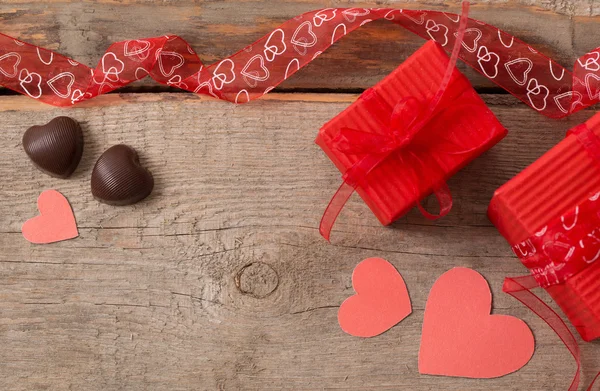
(55, 148)
(119, 179)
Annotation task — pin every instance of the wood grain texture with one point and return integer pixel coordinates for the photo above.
(564, 30)
(220, 279)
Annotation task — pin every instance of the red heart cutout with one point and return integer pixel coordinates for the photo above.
(56, 221)
(381, 299)
(461, 338)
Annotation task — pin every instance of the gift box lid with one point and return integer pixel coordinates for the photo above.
(388, 192)
(561, 179)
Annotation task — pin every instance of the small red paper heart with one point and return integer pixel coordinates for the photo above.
(381, 299)
(56, 221)
(460, 337)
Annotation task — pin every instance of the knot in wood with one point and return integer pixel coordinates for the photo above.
(257, 279)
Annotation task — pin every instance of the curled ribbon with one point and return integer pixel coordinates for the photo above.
(255, 70)
(400, 125)
(559, 251)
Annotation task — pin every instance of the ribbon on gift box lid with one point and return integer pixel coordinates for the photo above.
(564, 248)
(401, 124)
(255, 70)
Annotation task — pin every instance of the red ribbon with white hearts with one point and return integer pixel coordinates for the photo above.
(255, 70)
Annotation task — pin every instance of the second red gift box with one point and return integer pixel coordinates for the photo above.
(550, 214)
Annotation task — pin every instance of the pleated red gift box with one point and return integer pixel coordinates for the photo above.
(390, 189)
(562, 186)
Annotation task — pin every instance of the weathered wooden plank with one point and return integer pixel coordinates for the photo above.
(220, 279)
(218, 29)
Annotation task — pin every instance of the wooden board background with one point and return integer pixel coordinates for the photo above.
(220, 279)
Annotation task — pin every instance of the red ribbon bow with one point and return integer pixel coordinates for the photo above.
(401, 126)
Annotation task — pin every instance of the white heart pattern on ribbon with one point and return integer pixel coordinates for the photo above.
(304, 36)
(351, 14)
(508, 46)
(437, 31)
(488, 62)
(223, 73)
(335, 35)
(58, 81)
(137, 49)
(112, 66)
(244, 94)
(140, 75)
(208, 87)
(275, 45)
(537, 94)
(552, 71)
(289, 71)
(169, 62)
(516, 72)
(76, 96)
(31, 83)
(419, 20)
(568, 100)
(592, 84)
(177, 81)
(255, 70)
(40, 56)
(471, 39)
(591, 62)
(5, 63)
(324, 15)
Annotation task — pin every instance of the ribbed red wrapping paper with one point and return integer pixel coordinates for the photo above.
(394, 187)
(563, 178)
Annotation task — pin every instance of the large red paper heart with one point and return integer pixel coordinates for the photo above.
(461, 338)
(56, 221)
(381, 299)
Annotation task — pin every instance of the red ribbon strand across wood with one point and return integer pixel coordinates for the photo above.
(255, 70)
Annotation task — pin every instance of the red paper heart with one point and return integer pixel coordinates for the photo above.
(461, 338)
(381, 299)
(56, 221)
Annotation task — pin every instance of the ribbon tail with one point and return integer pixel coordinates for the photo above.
(520, 288)
(594, 382)
(334, 208)
(444, 199)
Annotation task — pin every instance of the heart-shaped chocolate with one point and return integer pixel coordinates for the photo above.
(55, 148)
(119, 179)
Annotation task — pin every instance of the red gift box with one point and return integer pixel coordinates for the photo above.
(550, 213)
(463, 128)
